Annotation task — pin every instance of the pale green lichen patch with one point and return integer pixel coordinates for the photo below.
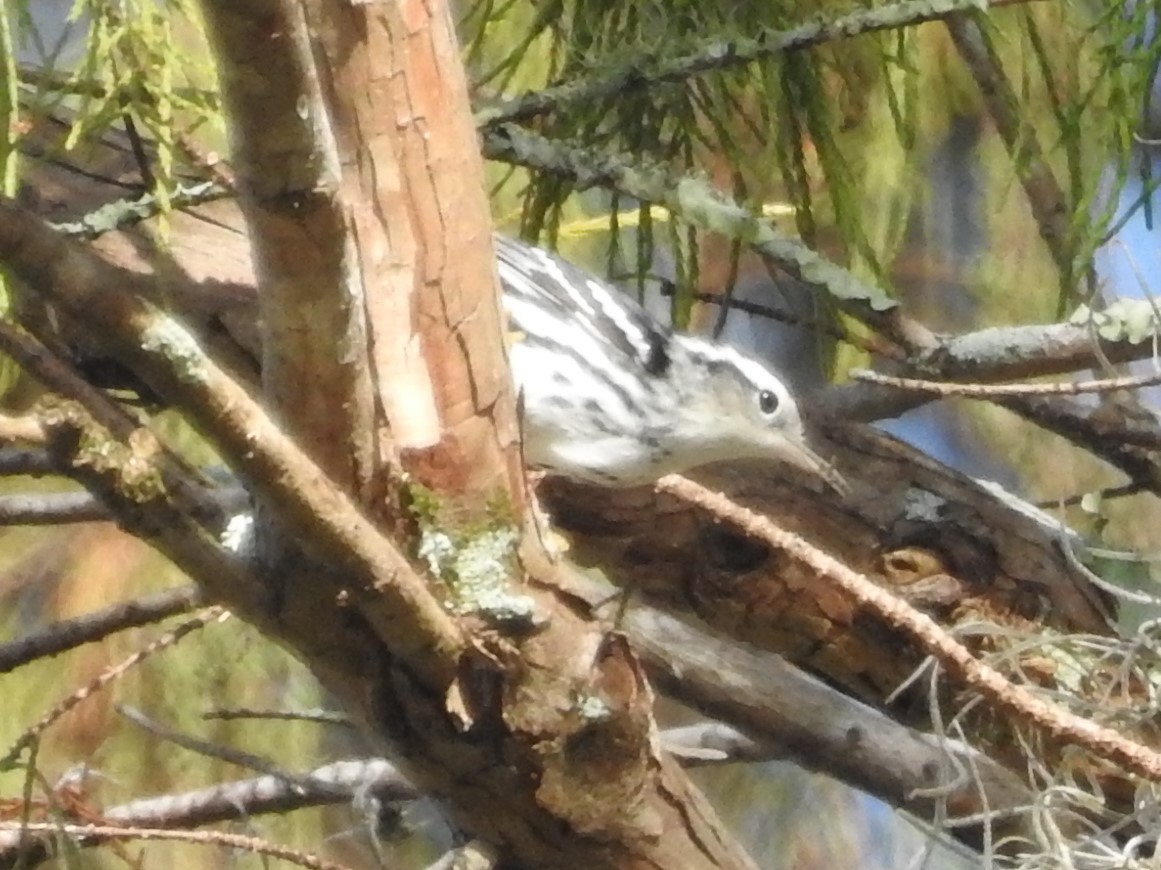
(593, 709)
(128, 467)
(436, 549)
(1132, 320)
(476, 562)
(477, 571)
(168, 338)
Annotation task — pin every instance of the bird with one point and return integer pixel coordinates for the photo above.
(611, 396)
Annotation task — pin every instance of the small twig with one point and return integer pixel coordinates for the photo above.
(340, 782)
(213, 838)
(208, 161)
(1064, 726)
(33, 462)
(873, 347)
(210, 614)
(68, 634)
(1121, 491)
(713, 742)
(1084, 429)
(1050, 207)
(140, 154)
(991, 391)
(228, 754)
(56, 374)
(124, 213)
(316, 717)
(1099, 582)
(50, 509)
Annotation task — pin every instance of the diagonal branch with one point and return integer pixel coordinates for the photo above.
(167, 357)
(51, 509)
(1045, 196)
(646, 72)
(1066, 727)
(53, 639)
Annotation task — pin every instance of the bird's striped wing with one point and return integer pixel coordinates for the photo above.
(554, 302)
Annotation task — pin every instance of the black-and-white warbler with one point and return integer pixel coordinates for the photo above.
(611, 396)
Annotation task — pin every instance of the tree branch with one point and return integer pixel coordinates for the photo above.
(652, 71)
(1045, 196)
(1064, 726)
(51, 509)
(167, 357)
(58, 637)
(796, 716)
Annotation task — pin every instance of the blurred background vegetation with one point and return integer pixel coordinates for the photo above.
(879, 151)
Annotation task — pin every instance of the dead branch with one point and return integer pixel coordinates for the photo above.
(64, 635)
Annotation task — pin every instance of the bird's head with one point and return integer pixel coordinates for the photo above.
(735, 407)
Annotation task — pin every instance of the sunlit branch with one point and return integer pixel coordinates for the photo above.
(1067, 727)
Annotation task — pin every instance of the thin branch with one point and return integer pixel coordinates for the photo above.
(58, 375)
(68, 634)
(995, 353)
(317, 717)
(206, 748)
(1122, 443)
(652, 71)
(91, 835)
(51, 509)
(1075, 499)
(341, 782)
(871, 346)
(124, 213)
(26, 461)
(1045, 196)
(127, 475)
(994, 391)
(30, 736)
(1062, 725)
(1035, 350)
(707, 743)
(66, 508)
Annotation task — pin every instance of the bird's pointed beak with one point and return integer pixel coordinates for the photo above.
(799, 455)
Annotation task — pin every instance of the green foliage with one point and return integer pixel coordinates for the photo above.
(770, 131)
(841, 134)
(145, 64)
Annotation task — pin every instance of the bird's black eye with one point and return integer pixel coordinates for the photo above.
(767, 401)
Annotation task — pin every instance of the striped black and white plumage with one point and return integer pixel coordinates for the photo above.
(613, 397)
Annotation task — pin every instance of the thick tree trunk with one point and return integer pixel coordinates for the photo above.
(363, 193)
